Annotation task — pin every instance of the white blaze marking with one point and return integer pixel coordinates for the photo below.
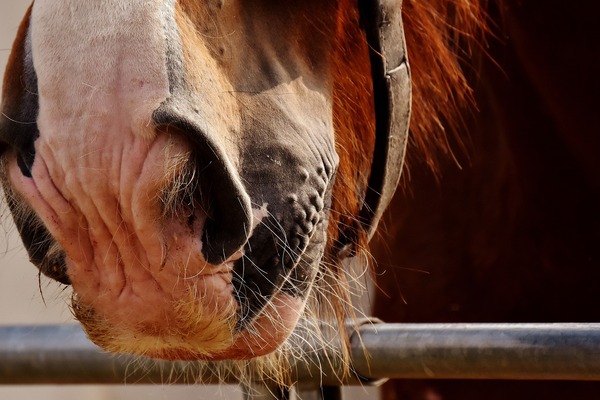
(99, 59)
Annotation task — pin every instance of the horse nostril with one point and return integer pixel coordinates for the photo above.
(229, 222)
(222, 237)
(25, 159)
(230, 213)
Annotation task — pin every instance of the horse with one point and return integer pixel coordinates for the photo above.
(196, 170)
(200, 171)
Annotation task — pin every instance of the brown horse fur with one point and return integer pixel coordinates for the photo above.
(441, 38)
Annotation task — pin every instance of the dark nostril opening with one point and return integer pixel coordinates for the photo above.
(220, 241)
(230, 214)
(228, 225)
(25, 159)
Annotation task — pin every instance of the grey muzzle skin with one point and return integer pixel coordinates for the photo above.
(284, 251)
(286, 164)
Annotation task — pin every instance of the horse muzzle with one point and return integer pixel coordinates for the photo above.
(189, 215)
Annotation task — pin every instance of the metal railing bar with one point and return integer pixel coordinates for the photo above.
(61, 354)
(562, 351)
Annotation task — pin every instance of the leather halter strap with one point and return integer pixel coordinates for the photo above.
(382, 23)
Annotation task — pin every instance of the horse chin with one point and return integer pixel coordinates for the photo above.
(189, 331)
(264, 335)
(146, 287)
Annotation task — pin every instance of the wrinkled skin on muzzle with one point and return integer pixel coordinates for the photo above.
(174, 162)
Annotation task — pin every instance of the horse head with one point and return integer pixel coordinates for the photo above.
(196, 170)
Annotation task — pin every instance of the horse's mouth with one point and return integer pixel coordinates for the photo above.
(141, 281)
